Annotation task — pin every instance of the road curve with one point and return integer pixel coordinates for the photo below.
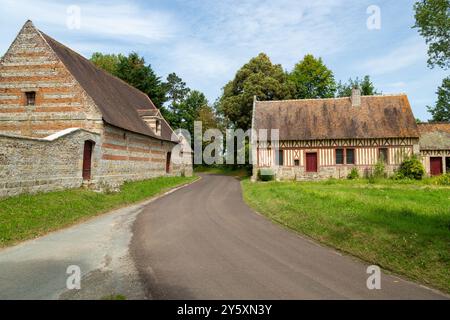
(203, 242)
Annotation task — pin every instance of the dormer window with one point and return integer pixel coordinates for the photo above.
(30, 98)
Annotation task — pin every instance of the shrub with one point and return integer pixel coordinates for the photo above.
(380, 170)
(266, 175)
(444, 180)
(411, 168)
(354, 174)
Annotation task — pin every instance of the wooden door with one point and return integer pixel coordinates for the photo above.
(87, 160)
(311, 162)
(436, 166)
(168, 161)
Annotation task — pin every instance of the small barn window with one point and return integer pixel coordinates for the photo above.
(297, 163)
(158, 127)
(350, 156)
(30, 98)
(383, 155)
(339, 156)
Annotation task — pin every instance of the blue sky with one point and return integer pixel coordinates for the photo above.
(206, 41)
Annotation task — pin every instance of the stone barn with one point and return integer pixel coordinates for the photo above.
(327, 138)
(435, 147)
(65, 123)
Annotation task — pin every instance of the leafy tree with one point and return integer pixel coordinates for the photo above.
(433, 23)
(206, 115)
(441, 110)
(188, 110)
(366, 86)
(259, 77)
(312, 79)
(107, 62)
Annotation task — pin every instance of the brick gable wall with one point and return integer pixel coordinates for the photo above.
(30, 65)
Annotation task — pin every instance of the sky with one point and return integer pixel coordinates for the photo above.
(205, 42)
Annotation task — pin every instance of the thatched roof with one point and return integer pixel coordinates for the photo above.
(317, 119)
(434, 136)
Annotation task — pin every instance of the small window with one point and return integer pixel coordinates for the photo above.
(158, 126)
(339, 156)
(350, 156)
(383, 155)
(31, 98)
(280, 160)
(297, 163)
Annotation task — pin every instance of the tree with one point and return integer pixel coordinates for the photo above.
(441, 110)
(176, 93)
(433, 23)
(107, 62)
(206, 115)
(259, 77)
(311, 79)
(366, 86)
(135, 72)
(188, 110)
(176, 89)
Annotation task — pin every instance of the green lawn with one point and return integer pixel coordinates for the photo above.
(30, 216)
(402, 227)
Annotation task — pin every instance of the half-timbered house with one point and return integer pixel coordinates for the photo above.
(323, 138)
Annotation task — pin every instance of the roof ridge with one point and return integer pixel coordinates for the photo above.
(336, 98)
(432, 123)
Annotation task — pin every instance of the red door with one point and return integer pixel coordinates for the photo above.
(311, 162)
(168, 160)
(87, 159)
(436, 166)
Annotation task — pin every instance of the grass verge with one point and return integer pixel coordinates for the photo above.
(29, 216)
(402, 227)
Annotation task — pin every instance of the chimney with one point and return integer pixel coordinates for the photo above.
(356, 97)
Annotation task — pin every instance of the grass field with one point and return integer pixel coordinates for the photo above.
(402, 227)
(29, 216)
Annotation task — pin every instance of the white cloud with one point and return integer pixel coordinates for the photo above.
(111, 19)
(285, 29)
(410, 52)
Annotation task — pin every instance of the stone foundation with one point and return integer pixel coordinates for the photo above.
(323, 173)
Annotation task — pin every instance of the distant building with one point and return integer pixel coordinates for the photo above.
(65, 123)
(323, 138)
(435, 147)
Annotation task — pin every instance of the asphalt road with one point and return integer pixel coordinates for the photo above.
(203, 242)
(37, 269)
